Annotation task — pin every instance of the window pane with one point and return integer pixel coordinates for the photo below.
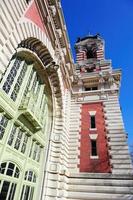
(12, 135)
(34, 179)
(30, 176)
(94, 88)
(3, 124)
(16, 175)
(2, 167)
(18, 140)
(4, 190)
(11, 76)
(18, 83)
(35, 151)
(93, 148)
(23, 148)
(12, 191)
(93, 124)
(11, 166)
(10, 169)
(26, 194)
(39, 154)
(31, 193)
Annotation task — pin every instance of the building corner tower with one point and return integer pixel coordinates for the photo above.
(104, 169)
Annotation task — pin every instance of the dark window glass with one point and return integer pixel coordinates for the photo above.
(94, 88)
(12, 191)
(93, 148)
(3, 124)
(18, 140)
(90, 88)
(30, 176)
(11, 76)
(26, 194)
(93, 123)
(23, 148)
(91, 54)
(10, 169)
(90, 69)
(19, 83)
(12, 135)
(2, 168)
(4, 190)
(87, 89)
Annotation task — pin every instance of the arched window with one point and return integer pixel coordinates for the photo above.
(30, 176)
(8, 186)
(29, 186)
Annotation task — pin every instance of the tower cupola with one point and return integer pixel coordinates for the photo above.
(89, 53)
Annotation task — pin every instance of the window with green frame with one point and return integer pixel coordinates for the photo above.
(28, 186)
(13, 79)
(3, 125)
(18, 139)
(8, 186)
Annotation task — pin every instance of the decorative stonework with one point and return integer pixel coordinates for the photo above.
(51, 148)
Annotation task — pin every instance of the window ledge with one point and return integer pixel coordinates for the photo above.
(94, 157)
(93, 129)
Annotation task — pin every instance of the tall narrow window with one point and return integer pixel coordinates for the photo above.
(15, 77)
(93, 122)
(93, 148)
(23, 148)
(3, 124)
(29, 185)
(18, 139)
(31, 149)
(35, 151)
(11, 76)
(12, 135)
(39, 154)
(18, 83)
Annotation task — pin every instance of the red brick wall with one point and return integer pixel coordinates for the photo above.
(87, 164)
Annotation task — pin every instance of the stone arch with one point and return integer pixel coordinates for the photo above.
(28, 35)
(42, 53)
(22, 31)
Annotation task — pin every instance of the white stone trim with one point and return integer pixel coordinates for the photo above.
(94, 157)
(93, 136)
(93, 129)
(92, 113)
